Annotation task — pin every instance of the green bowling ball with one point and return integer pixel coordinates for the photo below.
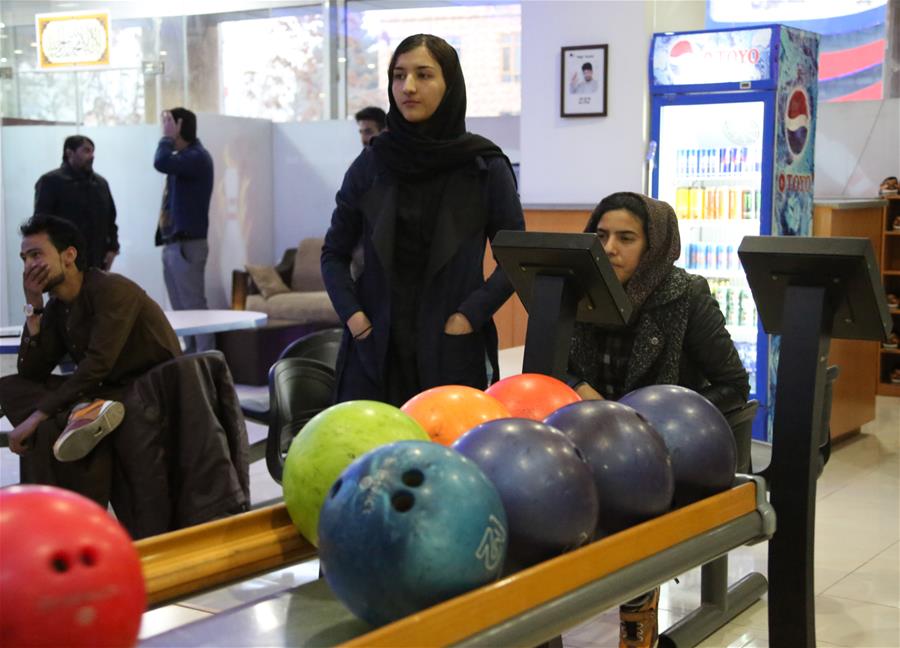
(327, 444)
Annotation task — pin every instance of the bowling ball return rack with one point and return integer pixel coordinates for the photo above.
(807, 291)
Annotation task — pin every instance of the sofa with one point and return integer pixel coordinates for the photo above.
(292, 294)
(292, 290)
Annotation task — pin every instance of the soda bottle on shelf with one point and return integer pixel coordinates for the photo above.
(747, 204)
(734, 306)
(696, 203)
(681, 163)
(757, 204)
(723, 162)
(683, 202)
(721, 261)
(710, 253)
(722, 202)
(733, 203)
(731, 262)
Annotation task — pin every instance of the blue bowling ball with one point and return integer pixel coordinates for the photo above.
(545, 484)
(409, 525)
(631, 465)
(699, 439)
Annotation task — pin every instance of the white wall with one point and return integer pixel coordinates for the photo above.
(240, 213)
(857, 145)
(580, 160)
(311, 158)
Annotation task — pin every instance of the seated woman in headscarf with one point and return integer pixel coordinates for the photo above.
(420, 202)
(677, 336)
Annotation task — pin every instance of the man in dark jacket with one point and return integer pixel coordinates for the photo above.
(114, 332)
(184, 215)
(76, 193)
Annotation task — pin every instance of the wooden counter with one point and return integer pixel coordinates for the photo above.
(853, 401)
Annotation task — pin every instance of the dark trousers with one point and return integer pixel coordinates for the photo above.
(90, 476)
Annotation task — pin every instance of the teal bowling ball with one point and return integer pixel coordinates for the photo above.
(409, 525)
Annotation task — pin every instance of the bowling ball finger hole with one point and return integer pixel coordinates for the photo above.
(413, 478)
(60, 563)
(88, 557)
(336, 487)
(403, 501)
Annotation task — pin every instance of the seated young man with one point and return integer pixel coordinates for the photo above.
(112, 330)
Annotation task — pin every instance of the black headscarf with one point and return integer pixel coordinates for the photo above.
(418, 151)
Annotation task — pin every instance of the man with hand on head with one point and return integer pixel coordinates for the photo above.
(184, 215)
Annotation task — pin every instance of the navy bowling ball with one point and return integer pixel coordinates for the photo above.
(546, 486)
(631, 465)
(409, 525)
(697, 435)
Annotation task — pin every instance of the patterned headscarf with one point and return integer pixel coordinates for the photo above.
(663, 240)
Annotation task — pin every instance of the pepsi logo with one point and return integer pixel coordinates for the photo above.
(681, 48)
(797, 121)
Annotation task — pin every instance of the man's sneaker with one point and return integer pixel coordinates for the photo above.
(637, 622)
(88, 423)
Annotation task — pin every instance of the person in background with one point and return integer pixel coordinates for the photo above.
(184, 215)
(111, 329)
(76, 193)
(371, 121)
(677, 336)
(422, 201)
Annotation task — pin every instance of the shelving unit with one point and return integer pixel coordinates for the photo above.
(889, 359)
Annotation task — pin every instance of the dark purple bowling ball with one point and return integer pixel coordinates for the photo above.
(631, 465)
(409, 525)
(698, 437)
(546, 485)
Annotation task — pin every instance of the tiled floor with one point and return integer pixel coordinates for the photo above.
(857, 554)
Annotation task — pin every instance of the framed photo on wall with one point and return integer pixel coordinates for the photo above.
(583, 88)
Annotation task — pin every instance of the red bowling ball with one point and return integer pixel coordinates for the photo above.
(532, 396)
(69, 574)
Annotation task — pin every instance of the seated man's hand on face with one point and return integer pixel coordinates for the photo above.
(34, 282)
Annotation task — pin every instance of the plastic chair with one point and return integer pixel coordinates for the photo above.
(299, 388)
(320, 345)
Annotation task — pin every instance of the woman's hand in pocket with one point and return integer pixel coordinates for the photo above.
(359, 325)
(458, 324)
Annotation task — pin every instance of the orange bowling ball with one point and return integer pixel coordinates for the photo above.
(532, 396)
(449, 411)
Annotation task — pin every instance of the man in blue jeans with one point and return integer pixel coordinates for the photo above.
(184, 215)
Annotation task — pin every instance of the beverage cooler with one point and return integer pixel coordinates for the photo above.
(732, 117)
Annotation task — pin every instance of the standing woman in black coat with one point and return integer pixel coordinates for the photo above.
(420, 204)
(677, 336)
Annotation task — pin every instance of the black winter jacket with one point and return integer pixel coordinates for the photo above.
(479, 200)
(679, 339)
(85, 200)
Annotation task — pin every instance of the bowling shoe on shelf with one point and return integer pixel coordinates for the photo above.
(895, 376)
(638, 622)
(896, 223)
(892, 301)
(88, 423)
(892, 341)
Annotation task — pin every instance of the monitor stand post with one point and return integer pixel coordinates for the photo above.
(551, 320)
(800, 390)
